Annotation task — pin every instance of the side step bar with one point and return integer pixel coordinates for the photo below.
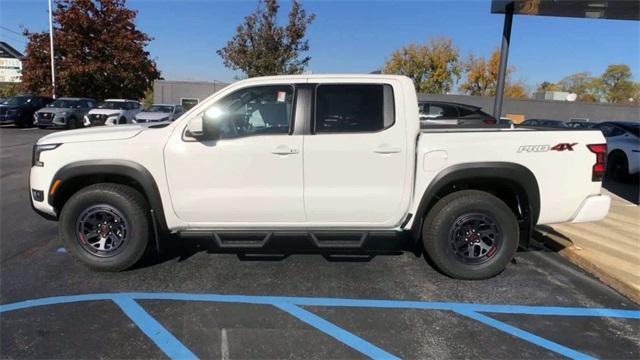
(292, 241)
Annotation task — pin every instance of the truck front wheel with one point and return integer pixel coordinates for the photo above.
(105, 226)
(470, 235)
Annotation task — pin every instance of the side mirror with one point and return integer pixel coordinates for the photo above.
(204, 128)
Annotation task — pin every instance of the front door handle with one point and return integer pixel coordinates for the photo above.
(284, 150)
(386, 149)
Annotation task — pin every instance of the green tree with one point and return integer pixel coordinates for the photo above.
(617, 83)
(547, 86)
(434, 67)
(100, 53)
(587, 87)
(261, 47)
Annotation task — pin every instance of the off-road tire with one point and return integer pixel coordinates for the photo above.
(129, 202)
(439, 224)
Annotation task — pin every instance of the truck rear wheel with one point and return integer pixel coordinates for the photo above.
(105, 226)
(470, 234)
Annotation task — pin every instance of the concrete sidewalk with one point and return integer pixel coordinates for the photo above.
(609, 249)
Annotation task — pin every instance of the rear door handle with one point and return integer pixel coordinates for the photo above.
(386, 149)
(284, 150)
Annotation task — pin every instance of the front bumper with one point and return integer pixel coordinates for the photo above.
(593, 208)
(40, 179)
(55, 122)
(8, 118)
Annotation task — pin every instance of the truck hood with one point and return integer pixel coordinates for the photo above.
(106, 133)
(107, 112)
(153, 115)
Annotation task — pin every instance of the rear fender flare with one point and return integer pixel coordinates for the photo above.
(521, 177)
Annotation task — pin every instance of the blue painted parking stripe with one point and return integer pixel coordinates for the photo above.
(524, 335)
(308, 301)
(336, 332)
(168, 343)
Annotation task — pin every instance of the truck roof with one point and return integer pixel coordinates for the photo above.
(328, 76)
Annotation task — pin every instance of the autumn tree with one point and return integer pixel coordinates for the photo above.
(262, 47)
(434, 67)
(516, 91)
(482, 77)
(99, 52)
(617, 83)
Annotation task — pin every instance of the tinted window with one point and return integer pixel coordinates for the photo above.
(616, 131)
(114, 105)
(353, 108)
(466, 112)
(254, 111)
(609, 130)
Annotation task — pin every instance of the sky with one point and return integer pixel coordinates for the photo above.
(357, 36)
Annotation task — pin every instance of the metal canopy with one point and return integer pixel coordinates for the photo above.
(597, 9)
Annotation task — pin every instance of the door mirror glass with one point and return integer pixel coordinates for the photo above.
(211, 123)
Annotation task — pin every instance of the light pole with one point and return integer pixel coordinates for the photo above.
(53, 64)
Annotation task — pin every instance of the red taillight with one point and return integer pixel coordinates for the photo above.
(490, 121)
(598, 170)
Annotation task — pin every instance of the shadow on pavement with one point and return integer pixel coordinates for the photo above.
(174, 247)
(628, 190)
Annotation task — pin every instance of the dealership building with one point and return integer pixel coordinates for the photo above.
(10, 64)
(185, 93)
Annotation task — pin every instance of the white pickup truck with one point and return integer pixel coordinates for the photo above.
(329, 163)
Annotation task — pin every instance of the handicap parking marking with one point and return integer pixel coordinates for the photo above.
(168, 343)
(61, 250)
(174, 349)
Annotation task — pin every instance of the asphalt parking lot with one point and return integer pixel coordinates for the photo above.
(195, 302)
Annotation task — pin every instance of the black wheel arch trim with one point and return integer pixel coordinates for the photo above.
(124, 168)
(512, 172)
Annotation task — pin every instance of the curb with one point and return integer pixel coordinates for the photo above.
(568, 250)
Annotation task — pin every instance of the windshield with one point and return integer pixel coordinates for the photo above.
(63, 103)
(160, 108)
(113, 105)
(17, 100)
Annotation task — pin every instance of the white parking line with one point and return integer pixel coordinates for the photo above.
(224, 345)
(27, 129)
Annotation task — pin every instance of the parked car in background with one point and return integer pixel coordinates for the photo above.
(581, 124)
(505, 121)
(113, 112)
(63, 112)
(544, 123)
(159, 113)
(20, 109)
(449, 113)
(623, 148)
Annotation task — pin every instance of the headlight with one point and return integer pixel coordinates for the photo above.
(64, 113)
(164, 119)
(37, 150)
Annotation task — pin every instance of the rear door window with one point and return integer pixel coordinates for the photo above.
(353, 108)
